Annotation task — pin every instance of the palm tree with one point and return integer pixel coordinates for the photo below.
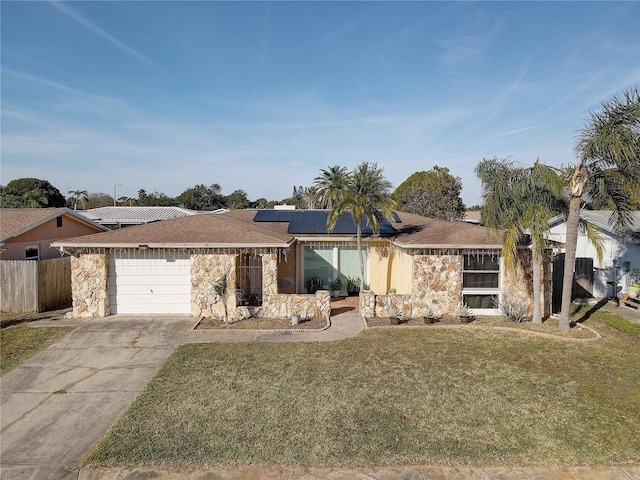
(522, 201)
(365, 194)
(79, 196)
(36, 198)
(330, 184)
(607, 147)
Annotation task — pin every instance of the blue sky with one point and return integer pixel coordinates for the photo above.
(260, 96)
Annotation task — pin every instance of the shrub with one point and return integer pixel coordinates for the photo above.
(353, 285)
(514, 309)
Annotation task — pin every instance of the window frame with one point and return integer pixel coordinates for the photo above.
(32, 247)
(485, 291)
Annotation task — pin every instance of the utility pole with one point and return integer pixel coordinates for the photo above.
(114, 193)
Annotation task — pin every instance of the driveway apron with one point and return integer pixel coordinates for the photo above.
(57, 405)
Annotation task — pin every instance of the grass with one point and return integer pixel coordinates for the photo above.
(20, 342)
(619, 323)
(388, 397)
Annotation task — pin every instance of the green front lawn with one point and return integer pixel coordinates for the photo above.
(425, 396)
(20, 342)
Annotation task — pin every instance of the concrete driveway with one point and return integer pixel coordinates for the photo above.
(56, 406)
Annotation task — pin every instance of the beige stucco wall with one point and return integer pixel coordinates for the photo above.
(379, 268)
(400, 272)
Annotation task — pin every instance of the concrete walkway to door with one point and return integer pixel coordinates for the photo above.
(57, 405)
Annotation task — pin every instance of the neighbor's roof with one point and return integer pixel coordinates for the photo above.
(134, 215)
(233, 229)
(421, 232)
(16, 221)
(237, 228)
(601, 218)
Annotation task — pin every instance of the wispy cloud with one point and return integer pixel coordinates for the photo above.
(467, 45)
(101, 33)
(337, 34)
(514, 132)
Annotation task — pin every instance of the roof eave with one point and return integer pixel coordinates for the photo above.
(137, 245)
(447, 246)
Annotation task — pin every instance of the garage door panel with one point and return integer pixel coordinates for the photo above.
(136, 309)
(155, 290)
(149, 280)
(147, 283)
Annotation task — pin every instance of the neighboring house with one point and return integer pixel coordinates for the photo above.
(26, 233)
(472, 216)
(618, 248)
(269, 255)
(120, 217)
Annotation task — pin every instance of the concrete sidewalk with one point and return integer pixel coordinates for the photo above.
(415, 472)
(59, 403)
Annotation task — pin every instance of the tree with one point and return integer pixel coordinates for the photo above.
(365, 194)
(78, 196)
(33, 192)
(238, 200)
(329, 185)
(608, 147)
(260, 203)
(154, 199)
(202, 197)
(434, 193)
(97, 200)
(521, 201)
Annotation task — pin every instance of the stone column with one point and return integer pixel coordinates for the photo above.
(206, 270)
(89, 285)
(367, 303)
(269, 275)
(323, 304)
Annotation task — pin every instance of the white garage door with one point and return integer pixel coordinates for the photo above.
(149, 282)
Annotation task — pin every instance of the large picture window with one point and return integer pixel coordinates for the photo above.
(481, 281)
(331, 262)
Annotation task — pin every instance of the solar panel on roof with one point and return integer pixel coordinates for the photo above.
(266, 216)
(299, 227)
(320, 228)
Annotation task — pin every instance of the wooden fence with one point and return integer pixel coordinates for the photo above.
(30, 286)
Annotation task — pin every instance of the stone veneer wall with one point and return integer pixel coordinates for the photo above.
(207, 269)
(277, 305)
(316, 305)
(89, 285)
(518, 281)
(437, 286)
(437, 283)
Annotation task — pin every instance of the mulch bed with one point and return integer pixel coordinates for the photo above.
(261, 324)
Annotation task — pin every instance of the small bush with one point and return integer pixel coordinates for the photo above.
(514, 309)
(353, 285)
